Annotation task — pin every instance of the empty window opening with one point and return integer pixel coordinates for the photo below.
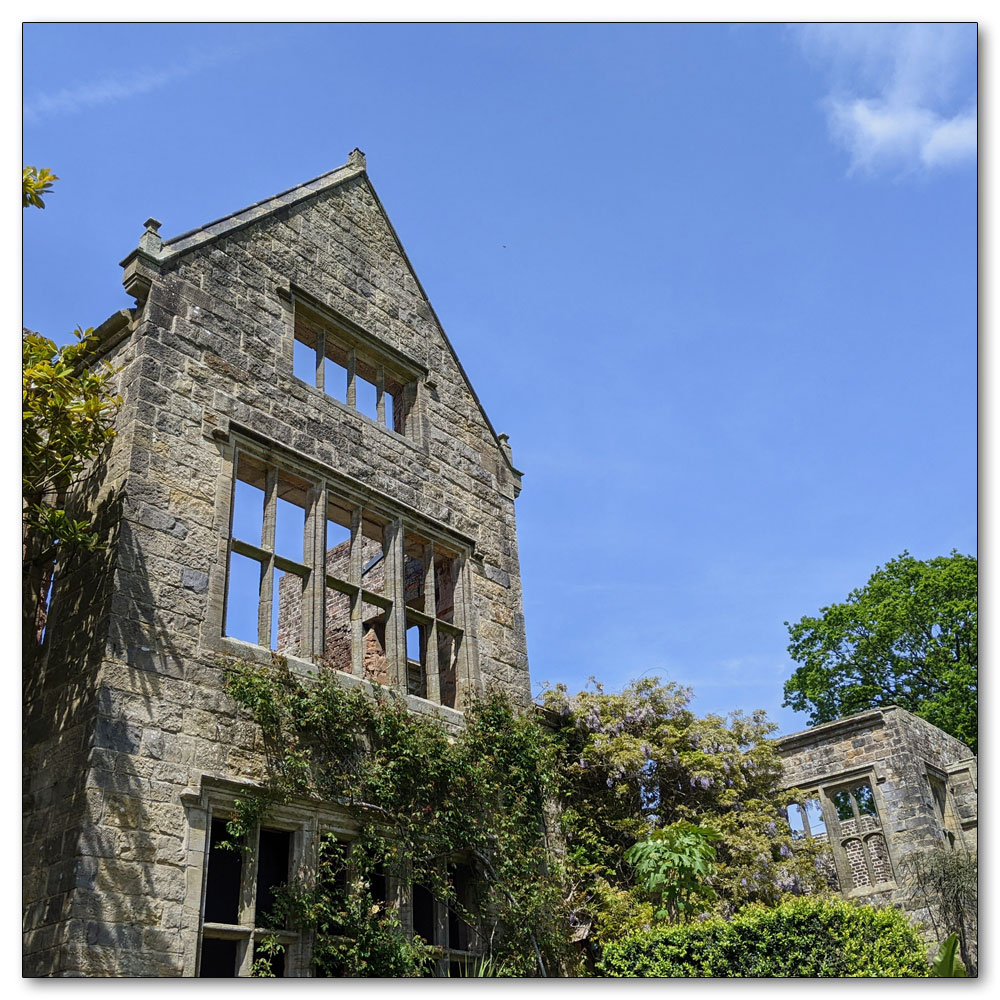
(335, 379)
(248, 502)
(447, 648)
(460, 932)
(374, 660)
(861, 839)
(445, 569)
(240, 899)
(366, 399)
(286, 613)
(225, 873)
(304, 363)
(276, 960)
(416, 657)
(423, 913)
(806, 821)
(243, 598)
(218, 958)
(356, 374)
(272, 871)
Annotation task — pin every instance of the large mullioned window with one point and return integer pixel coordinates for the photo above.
(317, 575)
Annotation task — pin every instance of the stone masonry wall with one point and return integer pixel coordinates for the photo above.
(138, 721)
(899, 755)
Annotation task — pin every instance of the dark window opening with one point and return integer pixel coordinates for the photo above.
(272, 871)
(218, 958)
(423, 913)
(225, 870)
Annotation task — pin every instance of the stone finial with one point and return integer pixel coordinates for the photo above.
(150, 241)
(355, 158)
(504, 440)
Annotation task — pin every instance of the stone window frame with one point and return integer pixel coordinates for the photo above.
(943, 806)
(332, 335)
(838, 838)
(324, 484)
(308, 823)
(217, 800)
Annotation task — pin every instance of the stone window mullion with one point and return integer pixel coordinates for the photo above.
(352, 370)
(432, 671)
(267, 568)
(380, 394)
(357, 600)
(321, 360)
(395, 588)
(314, 556)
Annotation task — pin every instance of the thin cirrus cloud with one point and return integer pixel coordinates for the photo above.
(902, 96)
(72, 100)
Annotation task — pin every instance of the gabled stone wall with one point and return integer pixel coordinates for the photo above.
(131, 744)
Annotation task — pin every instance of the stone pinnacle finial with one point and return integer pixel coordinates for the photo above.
(150, 240)
(355, 158)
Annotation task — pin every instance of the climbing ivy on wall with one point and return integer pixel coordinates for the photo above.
(422, 796)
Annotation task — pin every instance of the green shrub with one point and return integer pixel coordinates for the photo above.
(808, 937)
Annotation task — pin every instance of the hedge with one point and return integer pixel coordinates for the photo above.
(808, 937)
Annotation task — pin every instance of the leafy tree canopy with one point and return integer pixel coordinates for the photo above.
(67, 413)
(909, 637)
(699, 796)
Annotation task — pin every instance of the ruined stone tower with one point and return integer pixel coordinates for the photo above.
(301, 466)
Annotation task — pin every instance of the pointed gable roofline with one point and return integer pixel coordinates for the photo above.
(153, 253)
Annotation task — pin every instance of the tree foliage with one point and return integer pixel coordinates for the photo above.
(638, 762)
(675, 866)
(35, 182)
(909, 637)
(68, 410)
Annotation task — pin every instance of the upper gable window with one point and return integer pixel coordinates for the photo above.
(353, 369)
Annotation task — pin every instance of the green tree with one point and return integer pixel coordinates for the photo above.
(909, 637)
(67, 414)
(637, 762)
(34, 183)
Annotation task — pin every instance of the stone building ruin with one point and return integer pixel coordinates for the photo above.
(302, 467)
(879, 788)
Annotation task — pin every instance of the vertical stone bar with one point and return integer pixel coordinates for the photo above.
(380, 394)
(352, 389)
(354, 576)
(467, 655)
(267, 569)
(314, 556)
(432, 669)
(395, 588)
(321, 359)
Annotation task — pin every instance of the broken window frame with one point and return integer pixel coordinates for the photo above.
(839, 837)
(246, 932)
(269, 467)
(424, 676)
(264, 552)
(328, 335)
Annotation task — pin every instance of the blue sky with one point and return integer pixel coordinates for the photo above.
(718, 283)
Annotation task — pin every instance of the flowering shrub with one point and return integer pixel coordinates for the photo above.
(637, 762)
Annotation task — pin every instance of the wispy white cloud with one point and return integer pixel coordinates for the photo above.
(902, 96)
(70, 100)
